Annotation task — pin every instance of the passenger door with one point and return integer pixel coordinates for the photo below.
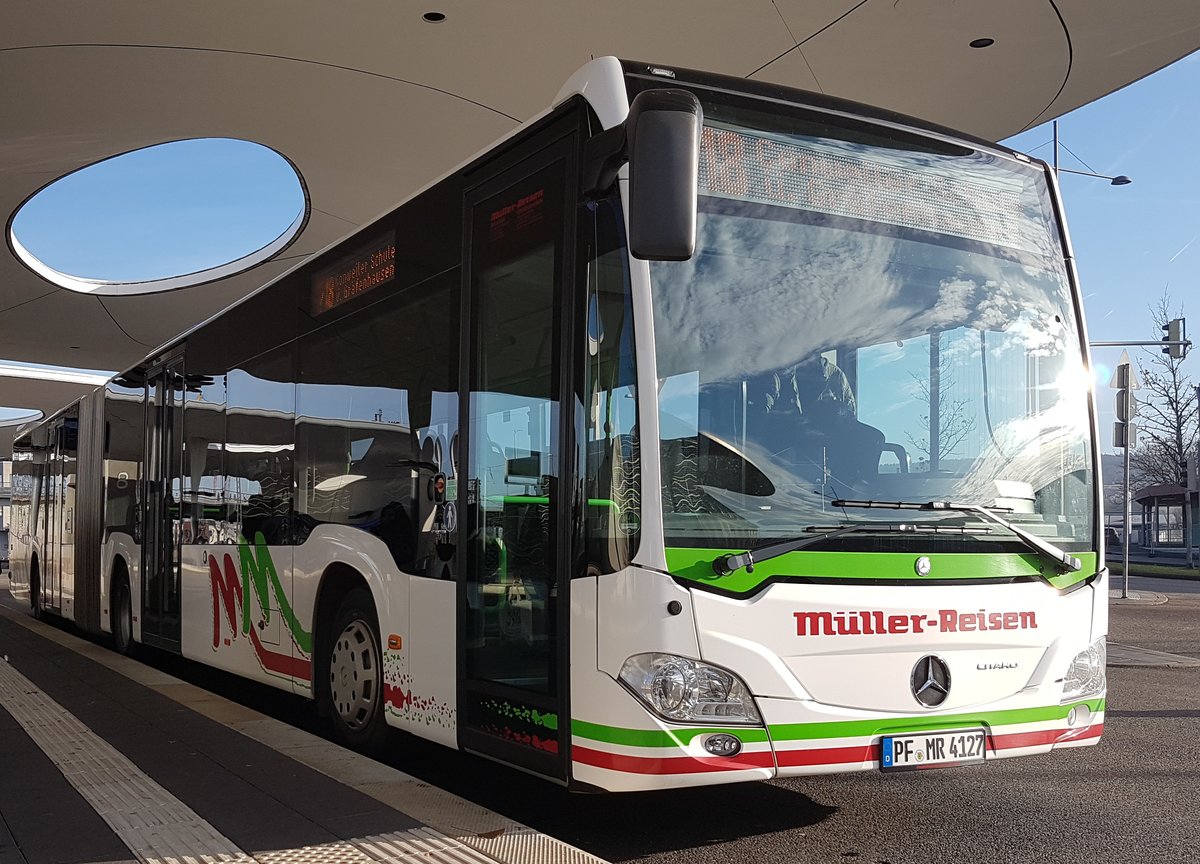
(50, 575)
(519, 501)
(161, 500)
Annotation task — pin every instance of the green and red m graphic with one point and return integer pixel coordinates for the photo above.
(232, 593)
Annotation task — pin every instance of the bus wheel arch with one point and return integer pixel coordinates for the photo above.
(348, 659)
(120, 607)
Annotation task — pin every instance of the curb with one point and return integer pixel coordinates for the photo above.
(1136, 598)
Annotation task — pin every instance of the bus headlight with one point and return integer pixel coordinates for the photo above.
(689, 691)
(1085, 676)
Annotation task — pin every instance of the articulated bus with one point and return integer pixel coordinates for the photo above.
(700, 431)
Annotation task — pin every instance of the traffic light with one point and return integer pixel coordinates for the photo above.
(1176, 339)
(1124, 431)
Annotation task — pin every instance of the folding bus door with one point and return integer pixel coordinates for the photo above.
(160, 505)
(512, 701)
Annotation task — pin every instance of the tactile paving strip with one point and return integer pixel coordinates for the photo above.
(157, 826)
(153, 823)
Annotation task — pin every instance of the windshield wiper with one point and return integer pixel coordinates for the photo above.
(1060, 558)
(726, 564)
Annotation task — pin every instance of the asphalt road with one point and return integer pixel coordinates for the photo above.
(1133, 798)
(1161, 585)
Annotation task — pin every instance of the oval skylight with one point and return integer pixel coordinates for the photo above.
(18, 416)
(163, 217)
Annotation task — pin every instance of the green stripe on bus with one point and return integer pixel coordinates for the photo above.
(657, 737)
(862, 728)
(695, 565)
(833, 729)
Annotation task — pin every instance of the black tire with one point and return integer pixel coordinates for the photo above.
(35, 592)
(352, 666)
(121, 615)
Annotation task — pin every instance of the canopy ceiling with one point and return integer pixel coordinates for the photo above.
(370, 101)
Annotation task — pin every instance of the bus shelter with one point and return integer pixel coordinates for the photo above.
(1166, 519)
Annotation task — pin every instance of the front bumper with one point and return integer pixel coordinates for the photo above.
(802, 737)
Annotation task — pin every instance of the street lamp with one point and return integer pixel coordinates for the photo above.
(1119, 180)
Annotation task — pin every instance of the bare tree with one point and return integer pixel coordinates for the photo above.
(1167, 420)
(946, 419)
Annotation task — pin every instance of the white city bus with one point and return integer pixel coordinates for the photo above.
(700, 431)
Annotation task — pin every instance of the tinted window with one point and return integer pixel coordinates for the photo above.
(205, 517)
(378, 420)
(258, 448)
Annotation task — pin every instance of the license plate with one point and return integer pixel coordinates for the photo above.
(898, 752)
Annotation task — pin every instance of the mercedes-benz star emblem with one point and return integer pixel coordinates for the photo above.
(931, 681)
(923, 566)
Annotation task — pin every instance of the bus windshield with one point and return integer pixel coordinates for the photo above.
(869, 315)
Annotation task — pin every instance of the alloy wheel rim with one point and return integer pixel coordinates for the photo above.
(354, 675)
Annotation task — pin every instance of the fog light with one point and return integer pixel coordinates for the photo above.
(722, 744)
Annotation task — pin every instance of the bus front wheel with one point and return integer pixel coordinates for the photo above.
(353, 687)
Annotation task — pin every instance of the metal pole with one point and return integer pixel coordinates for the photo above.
(1187, 488)
(1187, 520)
(1055, 148)
(1128, 521)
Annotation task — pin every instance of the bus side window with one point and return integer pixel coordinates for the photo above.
(612, 458)
(203, 461)
(378, 410)
(260, 433)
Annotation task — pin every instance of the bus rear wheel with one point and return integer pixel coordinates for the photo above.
(35, 592)
(122, 616)
(353, 687)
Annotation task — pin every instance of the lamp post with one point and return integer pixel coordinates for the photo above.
(1119, 180)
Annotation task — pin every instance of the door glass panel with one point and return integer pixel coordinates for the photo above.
(514, 443)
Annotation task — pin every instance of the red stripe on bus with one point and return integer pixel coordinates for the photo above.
(827, 755)
(671, 764)
(1013, 740)
(282, 664)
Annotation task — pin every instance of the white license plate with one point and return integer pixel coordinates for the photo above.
(938, 748)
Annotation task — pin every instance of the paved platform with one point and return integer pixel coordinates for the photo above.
(104, 759)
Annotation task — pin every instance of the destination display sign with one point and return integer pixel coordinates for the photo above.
(354, 275)
(957, 196)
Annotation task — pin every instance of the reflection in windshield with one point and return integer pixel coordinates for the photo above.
(806, 355)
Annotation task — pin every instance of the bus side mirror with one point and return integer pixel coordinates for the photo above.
(660, 139)
(663, 143)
